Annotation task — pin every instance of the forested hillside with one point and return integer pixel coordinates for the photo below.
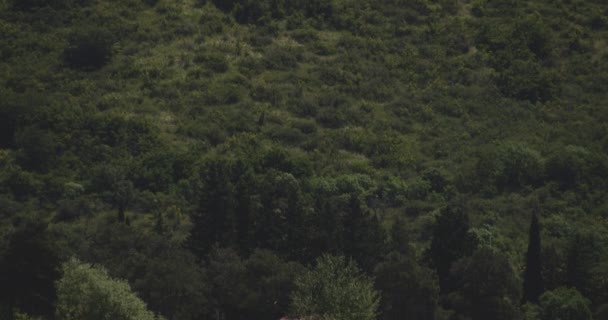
(318, 159)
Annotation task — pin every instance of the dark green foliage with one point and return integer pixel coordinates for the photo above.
(584, 253)
(364, 238)
(553, 267)
(21, 184)
(564, 303)
(281, 58)
(37, 149)
(407, 289)
(29, 269)
(39, 4)
(174, 285)
(122, 196)
(573, 166)
(533, 279)
(451, 241)
(257, 287)
(282, 131)
(214, 61)
(248, 11)
(215, 207)
(510, 166)
(124, 135)
(9, 115)
(89, 49)
(487, 286)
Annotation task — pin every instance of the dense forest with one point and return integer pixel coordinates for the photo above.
(304, 159)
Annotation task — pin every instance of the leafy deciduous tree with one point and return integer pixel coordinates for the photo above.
(334, 289)
(563, 304)
(86, 292)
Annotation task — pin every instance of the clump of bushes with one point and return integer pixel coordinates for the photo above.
(215, 62)
(89, 49)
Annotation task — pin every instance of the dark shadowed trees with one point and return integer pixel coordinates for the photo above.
(487, 287)
(533, 279)
(29, 269)
(408, 290)
(451, 241)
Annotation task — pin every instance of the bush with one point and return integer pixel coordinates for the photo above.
(526, 80)
(38, 148)
(216, 62)
(211, 24)
(574, 165)
(278, 58)
(226, 93)
(89, 49)
(511, 166)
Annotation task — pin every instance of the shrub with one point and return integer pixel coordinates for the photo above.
(216, 62)
(89, 49)
(219, 93)
(511, 166)
(574, 165)
(278, 58)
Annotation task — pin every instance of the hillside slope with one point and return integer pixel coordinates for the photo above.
(165, 139)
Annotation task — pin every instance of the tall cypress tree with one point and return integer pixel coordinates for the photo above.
(533, 279)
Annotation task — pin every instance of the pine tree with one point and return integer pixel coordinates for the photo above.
(533, 279)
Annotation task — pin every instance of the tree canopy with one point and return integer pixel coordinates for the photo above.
(334, 289)
(86, 292)
(219, 156)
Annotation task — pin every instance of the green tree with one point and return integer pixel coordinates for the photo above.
(334, 289)
(244, 210)
(533, 279)
(213, 219)
(38, 148)
(227, 275)
(165, 275)
(29, 268)
(564, 304)
(363, 234)
(122, 195)
(408, 290)
(510, 166)
(173, 283)
(451, 241)
(487, 286)
(584, 255)
(269, 280)
(87, 292)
